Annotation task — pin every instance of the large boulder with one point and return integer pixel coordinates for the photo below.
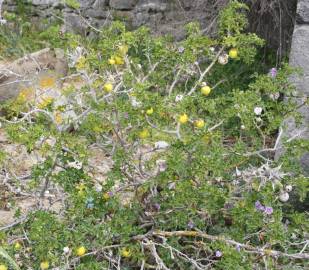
(299, 57)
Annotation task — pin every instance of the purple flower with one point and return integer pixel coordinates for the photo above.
(218, 254)
(238, 248)
(181, 49)
(273, 72)
(157, 206)
(259, 206)
(126, 115)
(191, 225)
(268, 210)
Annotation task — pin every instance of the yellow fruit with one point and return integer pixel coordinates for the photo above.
(199, 123)
(3, 267)
(106, 196)
(81, 251)
(233, 53)
(123, 49)
(144, 134)
(111, 61)
(17, 246)
(126, 253)
(205, 90)
(183, 118)
(149, 111)
(44, 265)
(108, 87)
(119, 60)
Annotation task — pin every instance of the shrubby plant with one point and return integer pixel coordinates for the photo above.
(191, 129)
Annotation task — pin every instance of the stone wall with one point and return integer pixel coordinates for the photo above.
(272, 19)
(162, 16)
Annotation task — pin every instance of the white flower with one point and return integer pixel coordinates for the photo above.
(274, 96)
(135, 103)
(243, 127)
(98, 188)
(178, 98)
(161, 145)
(212, 49)
(66, 250)
(288, 188)
(258, 110)
(223, 59)
(3, 21)
(284, 197)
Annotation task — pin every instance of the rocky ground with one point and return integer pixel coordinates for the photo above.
(15, 178)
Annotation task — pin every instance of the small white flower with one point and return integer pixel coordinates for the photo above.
(243, 127)
(161, 145)
(223, 59)
(66, 250)
(204, 83)
(284, 197)
(98, 188)
(135, 103)
(178, 98)
(258, 110)
(274, 96)
(212, 49)
(3, 21)
(288, 188)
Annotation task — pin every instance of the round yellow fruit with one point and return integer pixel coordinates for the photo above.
(3, 267)
(17, 246)
(183, 118)
(126, 253)
(149, 111)
(44, 265)
(199, 123)
(112, 61)
(233, 53)
(81, 251)
(205, 90)
(108, 87)
(106, 196)
(119, 60)
(144, 134)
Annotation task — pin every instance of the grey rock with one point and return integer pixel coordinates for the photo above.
(45, 2)
(123, 4)
(86, 3)
(74, 23)
(302, 15)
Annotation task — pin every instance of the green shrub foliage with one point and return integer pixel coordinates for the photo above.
(190, 128)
